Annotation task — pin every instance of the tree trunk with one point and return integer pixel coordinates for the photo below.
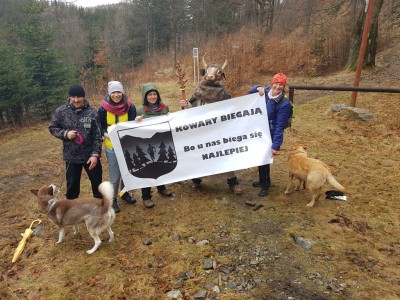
(2, 119)
(308, 13)
(265, 14)
(358, 9)
(260, 13)
(270, 16)
(370, 54)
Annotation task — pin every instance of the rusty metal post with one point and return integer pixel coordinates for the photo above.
(363, 47)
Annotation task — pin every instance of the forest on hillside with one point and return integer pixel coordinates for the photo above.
(47, 45)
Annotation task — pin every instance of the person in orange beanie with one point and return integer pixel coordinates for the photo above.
(279, 110)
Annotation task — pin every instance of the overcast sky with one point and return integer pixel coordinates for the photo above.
(90, 3)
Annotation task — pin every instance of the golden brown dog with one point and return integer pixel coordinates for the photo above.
(97, 214)
(314, 173)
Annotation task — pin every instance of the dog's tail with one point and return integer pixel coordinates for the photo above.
(107, 191)
(332, 181)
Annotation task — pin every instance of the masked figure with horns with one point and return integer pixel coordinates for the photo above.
(210, 90)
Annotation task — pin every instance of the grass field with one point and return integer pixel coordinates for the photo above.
(355, 252)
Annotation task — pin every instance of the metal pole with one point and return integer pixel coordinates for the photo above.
(198, 71)
(343, 88)
(363, 47)
(195, 65)
(292, 88)
(194, 70)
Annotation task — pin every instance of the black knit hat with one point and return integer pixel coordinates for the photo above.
(76, 90)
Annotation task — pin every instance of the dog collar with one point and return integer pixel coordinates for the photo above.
(51, 203)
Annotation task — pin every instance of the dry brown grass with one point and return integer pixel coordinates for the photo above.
(355, 242)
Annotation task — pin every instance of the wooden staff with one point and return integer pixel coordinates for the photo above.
(180, 73)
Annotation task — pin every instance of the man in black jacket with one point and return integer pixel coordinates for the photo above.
(77, 124)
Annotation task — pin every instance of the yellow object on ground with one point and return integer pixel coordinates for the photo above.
(26, 235)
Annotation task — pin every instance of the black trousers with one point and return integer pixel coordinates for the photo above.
(264, 176)
(146, 192)
(230, 181)
(73, 174)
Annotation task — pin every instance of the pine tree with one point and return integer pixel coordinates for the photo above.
(163, 153)
(142, 156)
(129, 161)
(15, 87)
(49, 76)
(171, 155)
(136, 161)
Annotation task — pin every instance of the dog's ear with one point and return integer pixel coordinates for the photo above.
(35, 192)
(50, 190)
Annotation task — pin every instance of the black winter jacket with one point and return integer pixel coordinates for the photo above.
(86, 121)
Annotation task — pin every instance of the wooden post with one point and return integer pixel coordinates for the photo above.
(180, 73)
(363, 47)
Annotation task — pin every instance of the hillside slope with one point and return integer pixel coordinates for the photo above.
(355, 246)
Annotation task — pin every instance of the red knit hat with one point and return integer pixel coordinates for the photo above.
(280, 77)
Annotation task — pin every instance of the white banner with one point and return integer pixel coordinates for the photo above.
(211, 139)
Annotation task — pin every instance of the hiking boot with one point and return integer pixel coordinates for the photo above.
(165, 193)
(256, 183)
(148, 203)
(263, 192)
(128, 198)
(115, 206)
(196, 186)
(236, 189)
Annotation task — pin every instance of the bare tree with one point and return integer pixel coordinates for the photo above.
(265, 13)
(373, 36)
(68, 26)
(117, 42)
(358, 6)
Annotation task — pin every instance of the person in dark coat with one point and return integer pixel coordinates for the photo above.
(77, 125)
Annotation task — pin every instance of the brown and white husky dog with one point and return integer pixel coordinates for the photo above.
(98, 214)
